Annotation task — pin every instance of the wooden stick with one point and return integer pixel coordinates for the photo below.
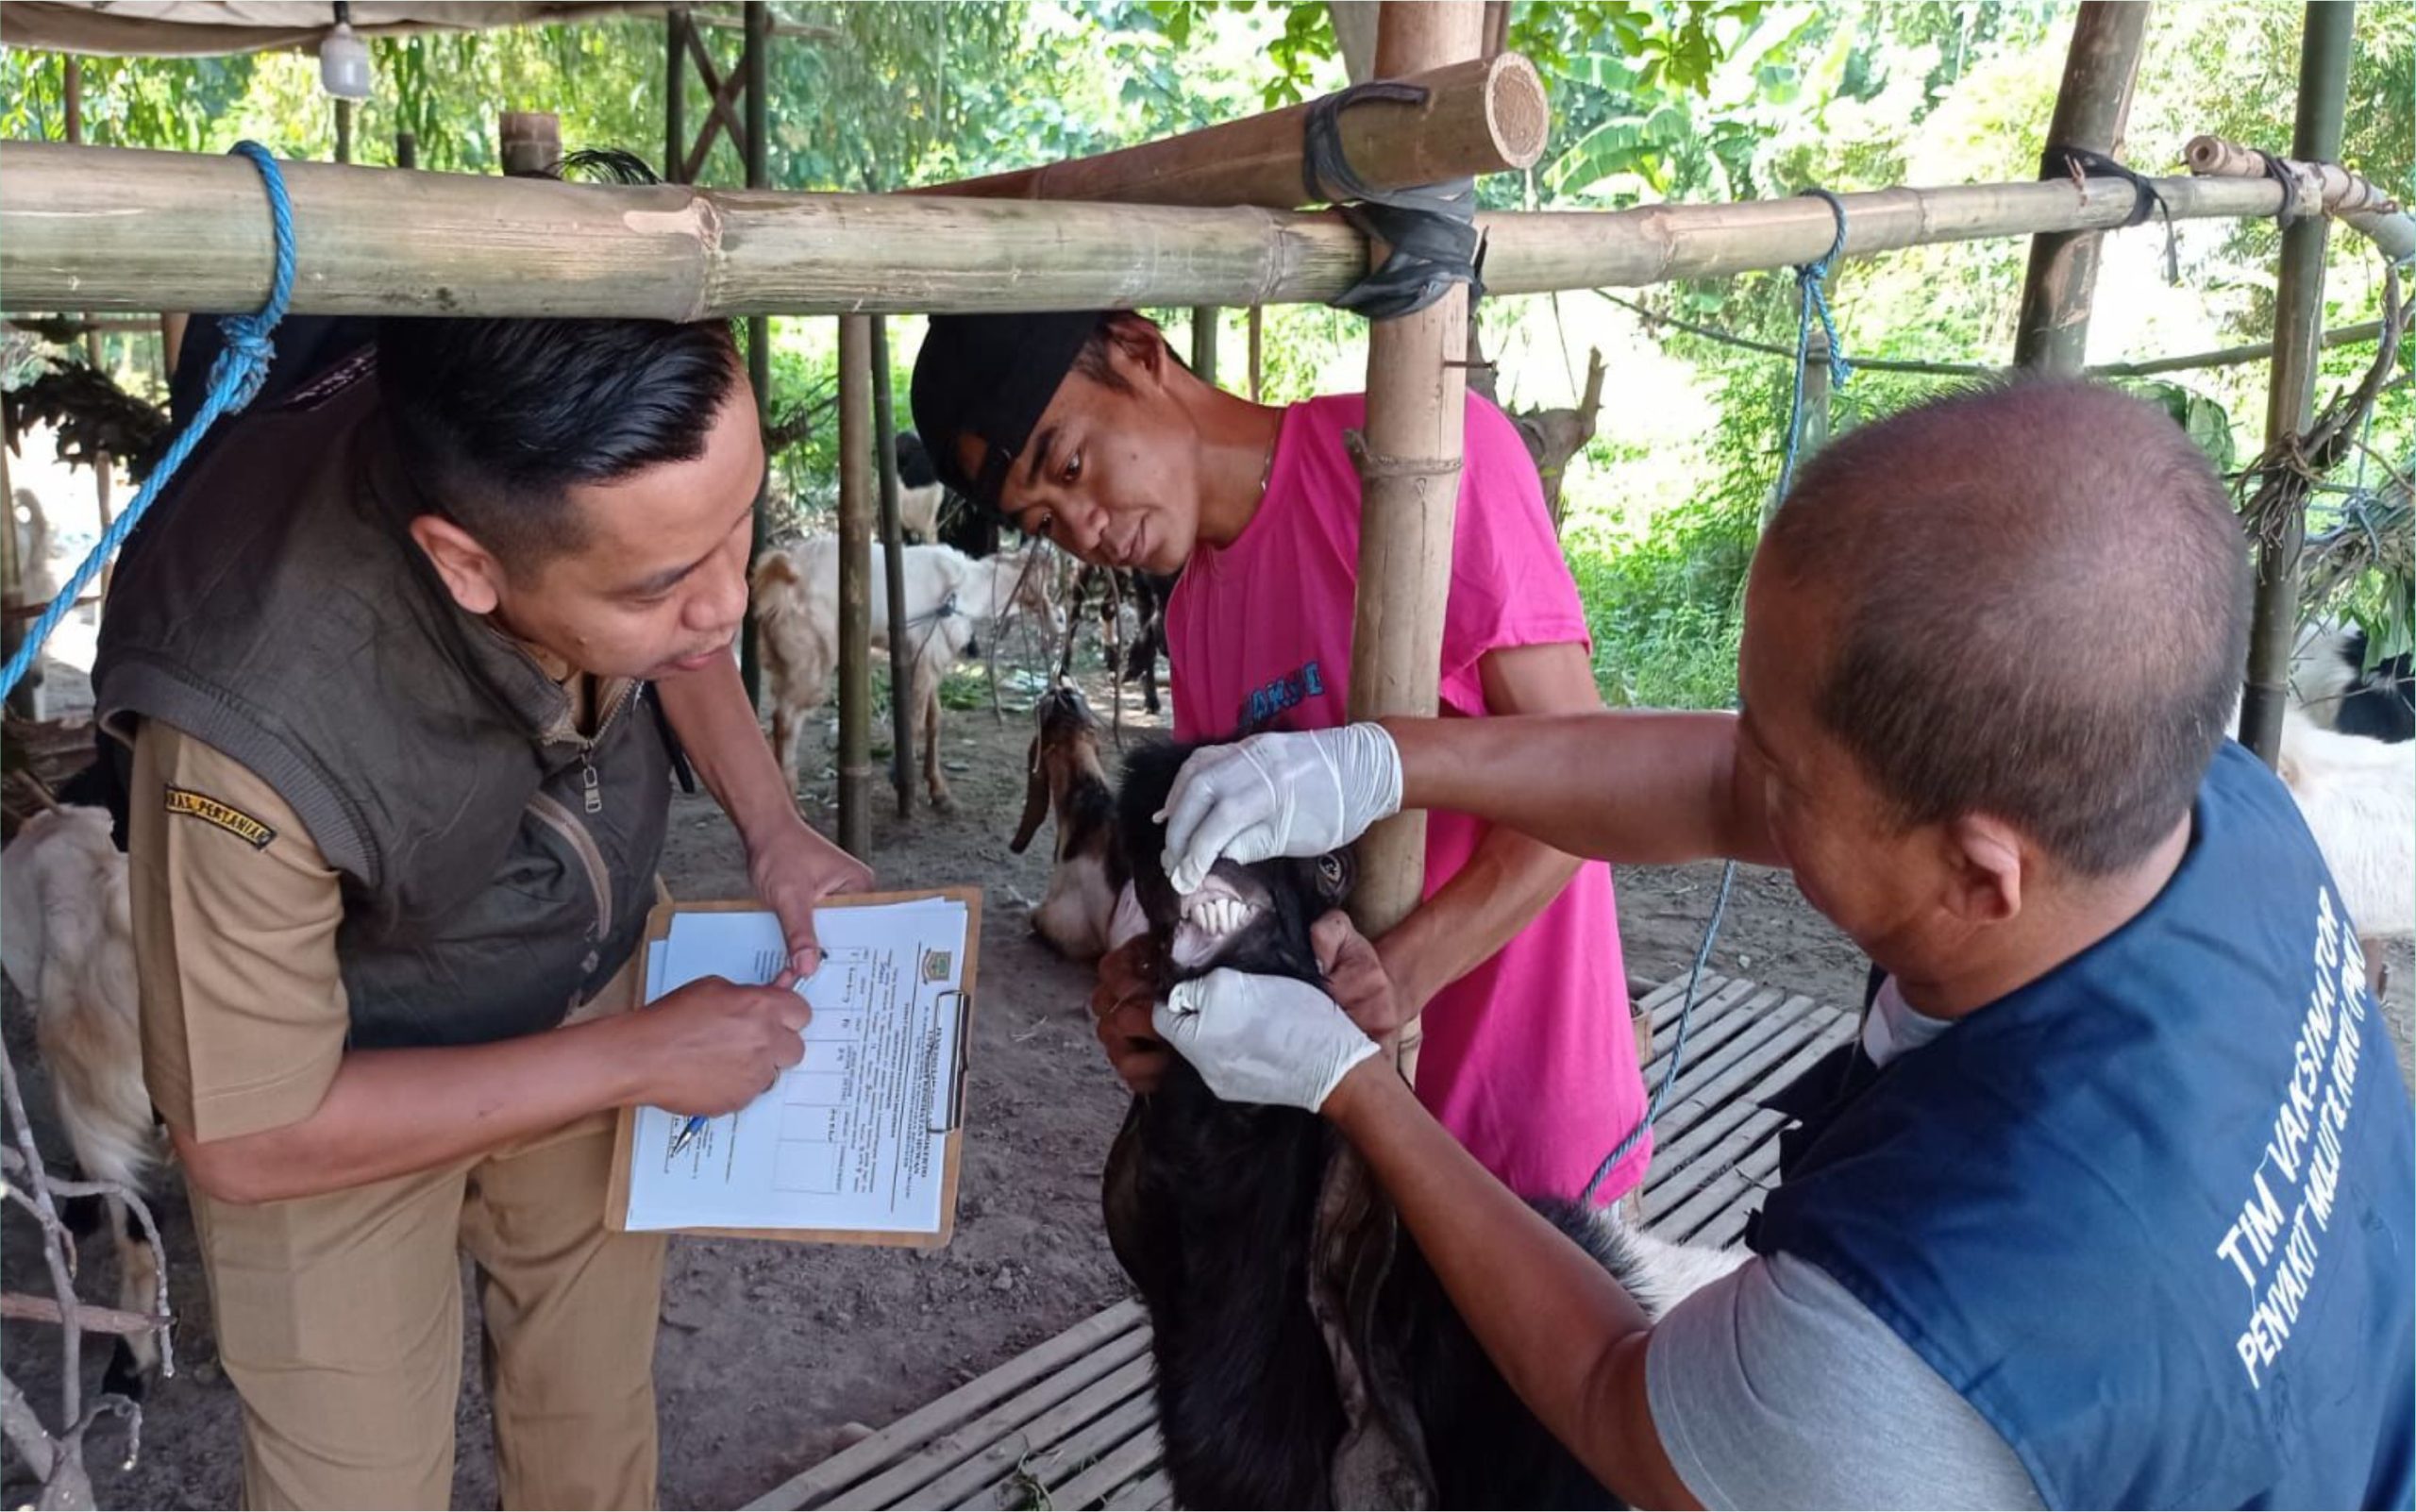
(92, 1318)
(126, 229)
(1409, 472)
(855, 586)
(1257, 351)
(2323, 188)
(893, 542)
(1203, 344)
(2091, 107)
(1481, 116)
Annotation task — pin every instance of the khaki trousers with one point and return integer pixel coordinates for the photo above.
(339, 1320)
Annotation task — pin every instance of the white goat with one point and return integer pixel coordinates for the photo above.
(67, 943)
(918, 511)
(37, 584)
(949, 595)
(2358, 796)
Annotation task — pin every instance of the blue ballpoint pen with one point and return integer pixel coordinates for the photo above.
(690, 1129)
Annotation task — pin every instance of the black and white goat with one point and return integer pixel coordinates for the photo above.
(2329, 679)
(67, 944)
(919, 490)
(1064, 778)
(1306, 1355)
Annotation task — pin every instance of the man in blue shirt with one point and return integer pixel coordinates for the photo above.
(2110, 1205)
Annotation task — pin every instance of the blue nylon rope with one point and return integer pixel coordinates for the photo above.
(1812, 302)
(234, 379)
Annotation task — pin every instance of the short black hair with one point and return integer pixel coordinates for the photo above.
(2040, 597)
(495, 418)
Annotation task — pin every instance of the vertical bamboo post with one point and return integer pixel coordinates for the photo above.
(1257, 351)
(71, 114)
(1203, 342)
(405, 150)
(2091, 108)
(674, 92)
(527, 142)
(893, 542)
(2289, 403)
(855, 579)
(343, 131)
(755, 65)
(172, 340)
(26, 699)
(104, 466)
(1409, 467)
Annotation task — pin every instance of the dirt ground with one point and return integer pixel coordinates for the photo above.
(768, 1350)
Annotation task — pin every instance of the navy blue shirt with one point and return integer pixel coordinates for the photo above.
(2151, 1213)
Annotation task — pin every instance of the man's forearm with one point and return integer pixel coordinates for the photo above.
(1627, 785)
(390, 1113)
(1508, 880)
(718, 726)
(1565, 1335)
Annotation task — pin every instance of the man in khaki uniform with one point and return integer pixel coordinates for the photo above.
(395, 673)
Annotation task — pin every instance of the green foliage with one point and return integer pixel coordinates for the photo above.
(1653, 100)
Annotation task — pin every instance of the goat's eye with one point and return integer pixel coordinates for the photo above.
(1329, 867)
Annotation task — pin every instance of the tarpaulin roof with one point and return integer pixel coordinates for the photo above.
(192, 28)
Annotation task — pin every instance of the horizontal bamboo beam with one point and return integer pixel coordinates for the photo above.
(1482, 116)
(2324, 188)
(121, 229)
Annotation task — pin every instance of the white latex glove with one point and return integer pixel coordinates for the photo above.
(1262, 1039)
(1289, 795)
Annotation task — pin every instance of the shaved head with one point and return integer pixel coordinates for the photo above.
(2037, 600)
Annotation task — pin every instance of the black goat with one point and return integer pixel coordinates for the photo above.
(1241, 1225)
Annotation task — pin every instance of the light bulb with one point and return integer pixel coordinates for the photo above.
(343, 64)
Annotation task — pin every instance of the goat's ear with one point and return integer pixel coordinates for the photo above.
(1035, 798)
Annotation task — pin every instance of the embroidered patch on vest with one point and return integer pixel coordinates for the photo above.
(226, 816)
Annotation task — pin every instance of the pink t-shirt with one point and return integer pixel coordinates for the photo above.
(1528, 1059)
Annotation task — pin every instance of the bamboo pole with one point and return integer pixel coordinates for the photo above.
(1481, 116)
(73, 119)
(674, 92)
(1203, 342)
(753, 65)
(26, 699)
(405, 150)
(2322, 186)
(1257, 351)
(1409, 469)
(126, 229)
(527, 142)
(855, 578)
(343, 131)
(2091, 108)
(2290, 407)
(893, 541)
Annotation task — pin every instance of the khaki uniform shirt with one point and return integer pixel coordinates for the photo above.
(244, 1017)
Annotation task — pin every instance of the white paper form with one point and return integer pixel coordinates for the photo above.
(854, 1137)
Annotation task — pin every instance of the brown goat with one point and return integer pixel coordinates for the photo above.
(1064, 777)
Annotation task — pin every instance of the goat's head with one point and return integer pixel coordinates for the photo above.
(1066, 737)
(1252, 917)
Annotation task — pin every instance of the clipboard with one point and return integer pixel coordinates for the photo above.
(658, 929)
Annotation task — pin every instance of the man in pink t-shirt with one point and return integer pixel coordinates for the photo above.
(1085, 429)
